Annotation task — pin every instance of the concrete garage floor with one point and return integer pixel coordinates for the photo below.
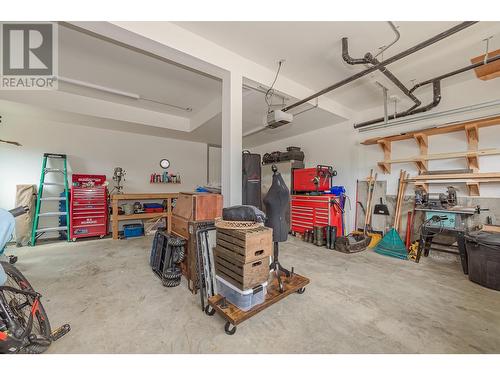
(358, 303)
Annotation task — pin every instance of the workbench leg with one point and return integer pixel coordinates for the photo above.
(114, 224)
(424, 245)
(428, 243)
(463, 252)
(169, 215)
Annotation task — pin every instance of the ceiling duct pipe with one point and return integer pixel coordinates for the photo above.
(390, 60)
(370, 59)
(434, 80)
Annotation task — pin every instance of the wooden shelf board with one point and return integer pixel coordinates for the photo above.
(457, 176)
(488, 71)
(123, 197)
(446, 155)
(146, 215)
(490, 121)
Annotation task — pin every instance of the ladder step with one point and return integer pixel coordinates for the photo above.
(53, 199)
(51, 229)
(53, 170)
(54, 156)
(53, 183)
(58, 213)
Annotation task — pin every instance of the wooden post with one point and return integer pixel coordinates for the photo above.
(472, 134)
(114, 223)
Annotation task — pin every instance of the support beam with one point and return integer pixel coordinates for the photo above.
(232, 143)
(423, 145)
(472, 134)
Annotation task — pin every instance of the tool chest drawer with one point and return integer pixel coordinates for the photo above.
(89, 208)
(308, 211)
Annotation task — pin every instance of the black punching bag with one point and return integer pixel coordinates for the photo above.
(252, 177)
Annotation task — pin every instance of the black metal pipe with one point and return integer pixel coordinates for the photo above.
(455, 72)
(393, 79)
(347, 58)
(370, 59)
(394, 58)
(412, 110)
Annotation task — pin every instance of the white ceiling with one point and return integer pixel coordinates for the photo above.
(86, 58)
(313, 58)
(312, 51)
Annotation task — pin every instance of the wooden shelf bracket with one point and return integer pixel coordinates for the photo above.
(386, 148)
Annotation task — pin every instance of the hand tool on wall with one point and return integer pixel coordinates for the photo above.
(381, 209)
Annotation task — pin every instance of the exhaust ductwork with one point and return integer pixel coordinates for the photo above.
(370, 59)
(390, 60)
(436, 83)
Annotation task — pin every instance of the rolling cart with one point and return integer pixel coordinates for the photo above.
(234, 316)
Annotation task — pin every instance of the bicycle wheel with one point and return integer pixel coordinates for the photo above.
(21, 306)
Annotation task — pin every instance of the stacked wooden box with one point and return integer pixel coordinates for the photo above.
(242, 256)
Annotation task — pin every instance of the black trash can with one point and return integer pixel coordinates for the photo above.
(483, 253)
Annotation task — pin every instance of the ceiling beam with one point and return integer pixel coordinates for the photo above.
(191, 44)
(207, 113)
(84, 105)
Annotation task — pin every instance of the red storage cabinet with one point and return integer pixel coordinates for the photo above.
(308, 211)
(89, 208)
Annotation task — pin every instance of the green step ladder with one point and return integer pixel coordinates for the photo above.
(36, 231)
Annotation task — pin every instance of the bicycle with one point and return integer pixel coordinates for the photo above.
(24, 324)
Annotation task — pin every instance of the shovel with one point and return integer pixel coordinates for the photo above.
(381, 209)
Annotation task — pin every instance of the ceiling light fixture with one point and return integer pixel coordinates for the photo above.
(111, 90)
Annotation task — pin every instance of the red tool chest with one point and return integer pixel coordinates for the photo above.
(89, 207)
(313, 179)
(309, 211)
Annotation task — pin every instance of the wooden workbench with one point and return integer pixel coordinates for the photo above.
(115, 218)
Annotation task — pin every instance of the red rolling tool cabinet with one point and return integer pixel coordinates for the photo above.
(89, 207)
(309, 211)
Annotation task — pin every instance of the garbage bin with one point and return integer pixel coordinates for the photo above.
(483, 253)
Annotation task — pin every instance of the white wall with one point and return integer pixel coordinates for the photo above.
(339, 145)
(95, 151)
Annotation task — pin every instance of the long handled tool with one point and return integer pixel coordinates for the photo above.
(391, 244)
(369, 201)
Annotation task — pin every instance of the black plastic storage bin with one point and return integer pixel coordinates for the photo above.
(483, 253)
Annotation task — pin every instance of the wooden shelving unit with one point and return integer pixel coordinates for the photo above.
(421, 137)
(115, 218)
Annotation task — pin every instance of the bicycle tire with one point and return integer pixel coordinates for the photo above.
(42, 319)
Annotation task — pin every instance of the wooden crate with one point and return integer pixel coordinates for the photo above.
(180, 226)
(198, 206)
(245, 246)
(241, 275)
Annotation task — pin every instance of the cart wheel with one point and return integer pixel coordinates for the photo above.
(101, 236)
(209, 310)
(229, 331)
(73, 239)
(301, 290)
